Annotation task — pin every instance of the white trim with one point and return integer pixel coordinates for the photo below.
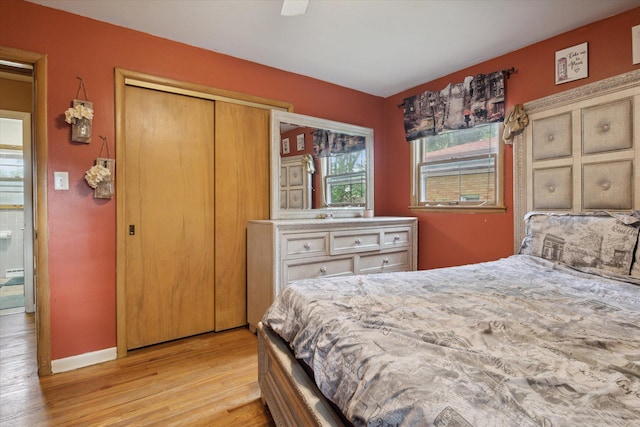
(82, 360)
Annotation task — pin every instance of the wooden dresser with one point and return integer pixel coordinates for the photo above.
(281, 251)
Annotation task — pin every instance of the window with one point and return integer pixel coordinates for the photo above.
(459, 170)
(345, 179)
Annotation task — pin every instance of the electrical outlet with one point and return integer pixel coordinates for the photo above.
(61, 180)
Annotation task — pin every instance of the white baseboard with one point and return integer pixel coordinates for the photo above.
(82, 360)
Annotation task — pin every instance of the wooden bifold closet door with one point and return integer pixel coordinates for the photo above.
(191, 184)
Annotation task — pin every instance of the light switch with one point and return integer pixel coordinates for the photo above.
(61, 180)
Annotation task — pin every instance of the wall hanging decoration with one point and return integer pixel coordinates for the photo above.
(572, 63)
(80, 116)
(515, 122)
(307, 163)
(300, 142)
(285, 146)
(100, 177)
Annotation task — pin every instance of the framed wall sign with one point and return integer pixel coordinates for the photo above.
(572, 63)
(300, 142)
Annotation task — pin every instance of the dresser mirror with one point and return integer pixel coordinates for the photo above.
(319, 168)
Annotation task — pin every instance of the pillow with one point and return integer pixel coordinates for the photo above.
(600, 241)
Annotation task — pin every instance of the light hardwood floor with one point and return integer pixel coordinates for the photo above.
(207, 380)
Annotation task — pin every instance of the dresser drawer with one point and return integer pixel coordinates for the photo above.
(284, 251)
(354, 241)
(326, 268)
(302, 245)
(396, 237)
(384, 262)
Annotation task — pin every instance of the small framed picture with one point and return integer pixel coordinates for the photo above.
(285, 146)
(300, 142)
(572, 63)
(635, 43)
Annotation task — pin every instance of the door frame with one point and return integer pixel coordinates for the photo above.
(125, 78)
(39, 143)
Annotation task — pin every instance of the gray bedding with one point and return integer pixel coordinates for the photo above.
(515, 342)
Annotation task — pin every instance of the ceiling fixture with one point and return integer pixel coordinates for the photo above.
(294, 7)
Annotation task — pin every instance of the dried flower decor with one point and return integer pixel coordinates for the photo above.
(80, 116)
(79, 111)
(97, 174)
(101, 176)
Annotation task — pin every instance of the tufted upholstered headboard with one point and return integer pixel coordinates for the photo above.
(580, 152)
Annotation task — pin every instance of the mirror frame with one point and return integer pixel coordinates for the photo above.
(278, 117)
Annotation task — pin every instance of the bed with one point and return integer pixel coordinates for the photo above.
(549, 336)
(519, 341)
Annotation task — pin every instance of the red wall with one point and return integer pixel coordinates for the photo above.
(82, 229)
(82, 260)
(451, 239)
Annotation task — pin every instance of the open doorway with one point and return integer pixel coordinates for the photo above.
(16, 189)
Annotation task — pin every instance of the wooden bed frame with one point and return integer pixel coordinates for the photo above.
(287, 389)
(291, 395)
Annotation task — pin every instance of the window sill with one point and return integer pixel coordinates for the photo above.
(460, 209)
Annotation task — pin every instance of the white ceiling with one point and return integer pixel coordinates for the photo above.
(380, 47)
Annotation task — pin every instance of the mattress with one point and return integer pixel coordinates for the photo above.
(519, 341)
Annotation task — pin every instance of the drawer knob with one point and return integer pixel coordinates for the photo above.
(307, 245)
(385, 261)
(396, 238)
(323, 269)
(358, 241)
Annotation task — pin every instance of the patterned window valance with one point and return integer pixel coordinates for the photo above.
(477, 100)
(327, 143)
